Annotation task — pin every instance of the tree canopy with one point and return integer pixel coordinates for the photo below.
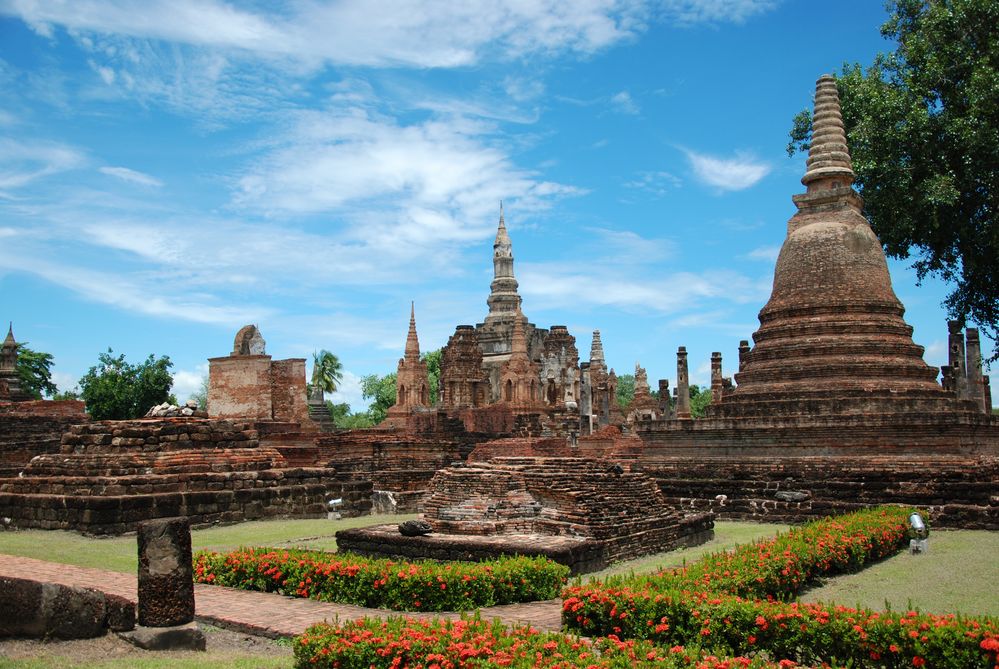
(327, 371)
(381, 391)
(923, 128)
(433, 361)
(34, 370)
(114, 389)
(625, 390)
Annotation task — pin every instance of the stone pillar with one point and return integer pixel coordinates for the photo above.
(987, 391)
(947, 378)
(682, 384)
(957, 359)
(166, 587)
(166, 575)
(743, 350)
(976, 386)
(716, 377)
(664, 407)
(585, 399)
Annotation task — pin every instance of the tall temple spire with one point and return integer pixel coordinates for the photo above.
(597, 363)
(829, 163)
(503, 301)
(832, 330)
(412, 341)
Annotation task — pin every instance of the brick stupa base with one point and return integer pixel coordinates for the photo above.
(111, 475)
(580, 512)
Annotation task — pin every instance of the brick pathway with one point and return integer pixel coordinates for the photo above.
(261, 613)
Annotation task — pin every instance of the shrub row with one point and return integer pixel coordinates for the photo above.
(380, 583)
(401, 643)
(807, 633)
(778, 567)
(735, 603)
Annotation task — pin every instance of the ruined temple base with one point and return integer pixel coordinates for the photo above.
(581, 555)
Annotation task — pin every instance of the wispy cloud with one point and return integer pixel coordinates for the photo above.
(22, 162)
(658, 182)
(622, 102)
(715, 11)
(403, 186)
(132, 176)
(764, 253)
(738, 173)
(409, 33)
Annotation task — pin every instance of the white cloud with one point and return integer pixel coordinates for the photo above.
(350, 392)
(402, 188)
(715, 11)
(409, 33)
(64, 381)
(623, 103)
(657, 182)
(732, 174)
(22, 162)
(764, 253)
(133, 176)
(187, 382)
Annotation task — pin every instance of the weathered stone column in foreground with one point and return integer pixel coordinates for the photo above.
(166, 588)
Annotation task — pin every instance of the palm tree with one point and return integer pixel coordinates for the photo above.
(327, 371)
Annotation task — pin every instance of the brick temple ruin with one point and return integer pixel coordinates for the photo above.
(831, 408)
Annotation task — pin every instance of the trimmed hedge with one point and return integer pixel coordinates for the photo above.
(736, 603)
(378, 583)
(399, 643)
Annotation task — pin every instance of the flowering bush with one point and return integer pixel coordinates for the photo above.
(403, 586)
(735, 603)
(400, 643)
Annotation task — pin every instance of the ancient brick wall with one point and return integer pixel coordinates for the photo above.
(110, 475)
(957, 491)
(521, 447)
(33, 428)
(288, 392)
(240, 387)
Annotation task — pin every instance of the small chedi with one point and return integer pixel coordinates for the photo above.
(834, 406)
(582, 512)
(28, 426)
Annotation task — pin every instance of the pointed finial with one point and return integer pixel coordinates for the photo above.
(412, 341)
(829, 156)
(10, 334)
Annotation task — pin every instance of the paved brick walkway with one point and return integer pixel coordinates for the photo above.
(261, 613)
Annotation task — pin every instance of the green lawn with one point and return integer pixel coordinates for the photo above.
(217, 660)
(956, 575)
(119, 553)
(727, 535)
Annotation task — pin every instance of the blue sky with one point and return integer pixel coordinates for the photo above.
(170, 171)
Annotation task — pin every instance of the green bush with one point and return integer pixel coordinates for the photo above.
(402, 586)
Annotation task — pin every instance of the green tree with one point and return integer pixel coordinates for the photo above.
(923, 127)
(327, 371)
(381, 391)
(116, 390)
(34, 370)
(699, 400)
(625, 390)
(433, 360)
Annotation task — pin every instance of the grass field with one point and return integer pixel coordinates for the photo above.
(120, 553)
(956, 575)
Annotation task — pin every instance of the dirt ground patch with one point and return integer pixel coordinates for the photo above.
(223, 647)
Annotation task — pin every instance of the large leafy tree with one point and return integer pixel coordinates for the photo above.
(381, 391)
(115, 389)
(34, 370)
(923, 126)
(625, 390)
